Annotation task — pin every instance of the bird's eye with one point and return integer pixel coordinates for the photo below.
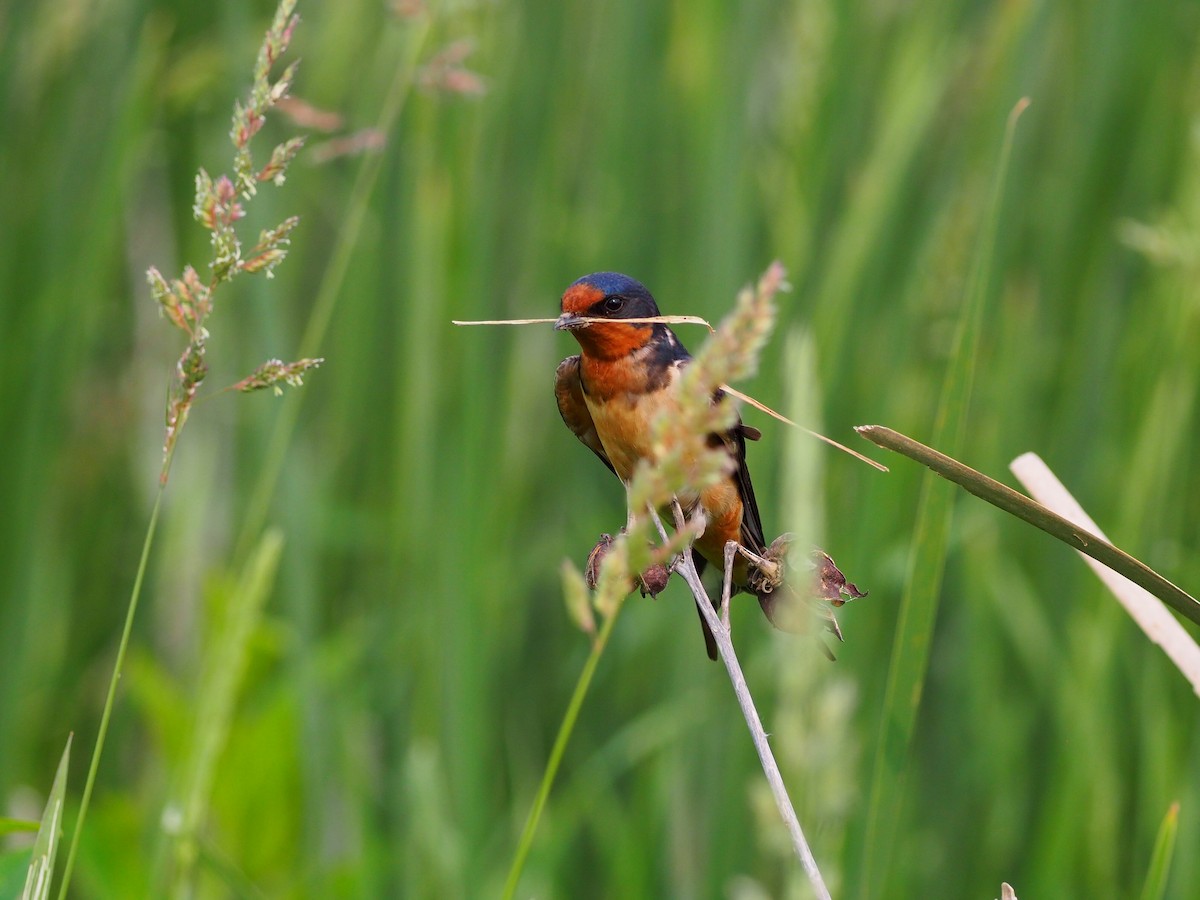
(613, 304)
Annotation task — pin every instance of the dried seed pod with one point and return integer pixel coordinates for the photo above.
(591, 570)
(831, 583)
(653, 581)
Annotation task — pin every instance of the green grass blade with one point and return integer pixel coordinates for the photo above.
(1164, 848)
(918, 610)
(41, 866)
(226, 657)
(15, 826)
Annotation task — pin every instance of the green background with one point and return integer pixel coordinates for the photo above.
(387, 718)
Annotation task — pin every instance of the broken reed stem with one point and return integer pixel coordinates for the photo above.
(1036, 514)
(1146, 610)
(686, 568)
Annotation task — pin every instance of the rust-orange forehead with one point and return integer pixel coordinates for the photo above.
(579, 298)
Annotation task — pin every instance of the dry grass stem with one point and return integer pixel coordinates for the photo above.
(1147, 610)
(645, 320)
(727, 585)
(762, 407)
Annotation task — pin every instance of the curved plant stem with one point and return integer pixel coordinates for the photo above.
(1017, 504)
(556, 753)
(109, 701)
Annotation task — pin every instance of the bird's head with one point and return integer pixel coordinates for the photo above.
(611, 298)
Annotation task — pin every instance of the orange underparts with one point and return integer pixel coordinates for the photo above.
(723, 507)
(607, 376)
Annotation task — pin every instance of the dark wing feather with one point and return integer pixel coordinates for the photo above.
(752, 537)
(752, 530)
(568, 391)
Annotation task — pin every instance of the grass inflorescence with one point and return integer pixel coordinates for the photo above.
(188, 301)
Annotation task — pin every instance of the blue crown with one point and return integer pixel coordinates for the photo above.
(616, 283)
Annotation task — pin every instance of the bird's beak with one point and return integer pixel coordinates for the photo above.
(568, 321)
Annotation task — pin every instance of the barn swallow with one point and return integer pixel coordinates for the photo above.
(610, 394)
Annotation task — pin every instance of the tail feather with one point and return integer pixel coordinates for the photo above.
(710, 642)
(788, 609)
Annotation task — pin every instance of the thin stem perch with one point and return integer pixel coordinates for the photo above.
(724, 640)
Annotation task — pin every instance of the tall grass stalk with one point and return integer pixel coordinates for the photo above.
(110, 698)
(187, 302)
(918, 609)
(525, 843)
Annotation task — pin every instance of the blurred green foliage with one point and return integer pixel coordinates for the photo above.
(397, 697)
